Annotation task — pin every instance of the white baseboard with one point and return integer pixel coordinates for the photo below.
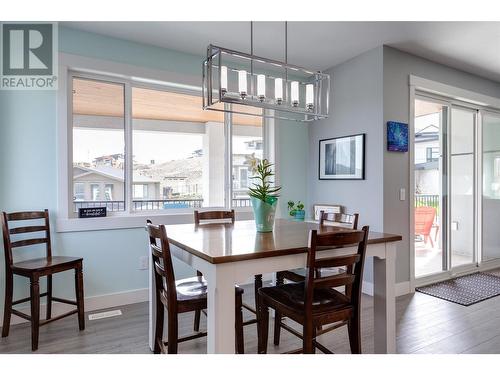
(141, 295)
(401, 288)
(91, 304)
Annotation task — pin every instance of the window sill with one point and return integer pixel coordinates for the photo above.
(133, 221)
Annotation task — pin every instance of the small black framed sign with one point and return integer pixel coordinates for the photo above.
(88, 212)
(342, 158)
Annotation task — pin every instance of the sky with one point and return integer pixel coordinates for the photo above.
(161, 147)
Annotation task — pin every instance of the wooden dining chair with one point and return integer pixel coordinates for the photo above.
(348, 221)
(180, 296)
(212, 217)
(314, 302)
(208, 217)
(34, 269)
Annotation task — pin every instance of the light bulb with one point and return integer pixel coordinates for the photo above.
(261, 87)
(223, 79)
(242, 83)
(278, 90)
(295, 93)
(309, 96)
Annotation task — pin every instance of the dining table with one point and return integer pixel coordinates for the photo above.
(229, 254)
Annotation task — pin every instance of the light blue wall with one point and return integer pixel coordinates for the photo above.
(28, 168)
(102, 47)
(293, 163)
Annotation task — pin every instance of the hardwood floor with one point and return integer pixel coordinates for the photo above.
(425, 325)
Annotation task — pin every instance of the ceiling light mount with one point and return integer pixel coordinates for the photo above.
(281, 90)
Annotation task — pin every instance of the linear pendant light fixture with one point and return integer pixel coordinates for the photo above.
(258, 86)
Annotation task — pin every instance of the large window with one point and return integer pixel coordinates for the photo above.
(177, 157)
(98, 144)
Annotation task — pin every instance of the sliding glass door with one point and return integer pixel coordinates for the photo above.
(429, 165)
(456, 169)
(445, 187)
(491, 186)
(462, 187)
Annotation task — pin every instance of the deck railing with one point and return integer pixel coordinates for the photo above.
(427, 200)
(153, 204)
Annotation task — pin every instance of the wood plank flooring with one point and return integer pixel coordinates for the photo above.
(424, 325)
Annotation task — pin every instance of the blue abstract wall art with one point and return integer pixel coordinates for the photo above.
(397, 136)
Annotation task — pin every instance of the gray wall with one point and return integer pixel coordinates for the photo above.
(356, 107)
(397, 66)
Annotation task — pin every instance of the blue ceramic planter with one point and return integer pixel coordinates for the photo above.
(263, 213)
(299, 215)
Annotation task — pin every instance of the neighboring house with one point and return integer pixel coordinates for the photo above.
(106, 183)
(180, 178)
(114, 160)
(427, 154)
(241, 171)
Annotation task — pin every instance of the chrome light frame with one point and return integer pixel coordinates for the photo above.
(213, 95)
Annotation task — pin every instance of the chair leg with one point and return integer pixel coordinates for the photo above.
(308, 335)
(48, 314)
(240, 345)
(79, 297)
(7, 307)
(197, 313)
(160, 316)
(353, 327)
(173, 334)
(256, 286)
(277, 315)
(35, 311)
(197, 318)
(262, 337)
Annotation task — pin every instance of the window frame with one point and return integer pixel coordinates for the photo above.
(68, 219)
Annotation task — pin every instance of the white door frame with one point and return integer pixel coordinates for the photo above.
(451, 95)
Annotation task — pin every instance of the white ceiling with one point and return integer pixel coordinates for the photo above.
(470, 46)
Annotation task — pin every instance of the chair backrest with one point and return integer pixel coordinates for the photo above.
(162, 262)
(338, 219)
(424, 218)
(352, 264)
(207, 217)
(10, 243)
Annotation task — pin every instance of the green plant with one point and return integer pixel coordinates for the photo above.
(263, 188)
(293, 208)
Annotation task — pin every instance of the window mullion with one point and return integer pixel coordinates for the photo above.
(228, 165)
(128, 149)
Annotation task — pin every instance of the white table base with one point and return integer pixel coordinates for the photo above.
(221, 279)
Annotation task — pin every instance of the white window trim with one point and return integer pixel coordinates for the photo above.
(128, 75)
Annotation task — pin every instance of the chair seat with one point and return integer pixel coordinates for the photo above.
(291, 296)
(195, 288)
(299, 274)
(45, 264)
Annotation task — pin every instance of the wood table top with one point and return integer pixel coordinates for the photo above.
(224, 243)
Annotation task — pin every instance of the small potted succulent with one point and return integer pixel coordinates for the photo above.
(296, 210)
(264, 195)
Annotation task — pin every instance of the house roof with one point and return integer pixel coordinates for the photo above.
(115, 174)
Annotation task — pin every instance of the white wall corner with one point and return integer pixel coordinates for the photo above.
(402, 288)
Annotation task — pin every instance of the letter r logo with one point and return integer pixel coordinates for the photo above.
(27, 49)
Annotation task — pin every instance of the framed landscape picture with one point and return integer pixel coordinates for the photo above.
(342, 158)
